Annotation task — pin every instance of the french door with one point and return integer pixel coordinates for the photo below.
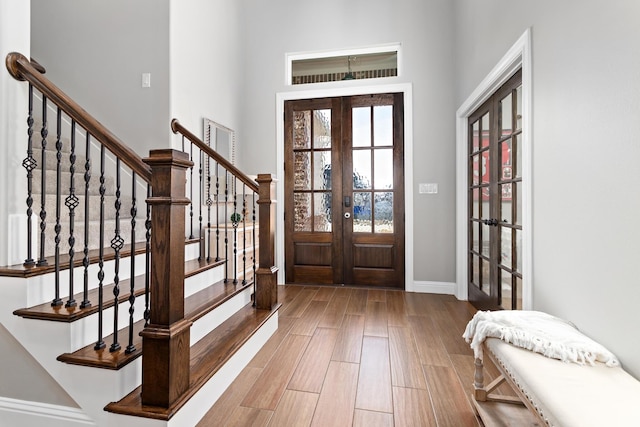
(495, 200)
(344, 191)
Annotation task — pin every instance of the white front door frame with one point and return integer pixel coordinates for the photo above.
(407, 90)
(519, 56)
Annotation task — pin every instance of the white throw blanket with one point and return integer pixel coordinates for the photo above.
(538, 332)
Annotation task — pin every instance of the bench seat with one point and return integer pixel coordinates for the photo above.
(558, 393)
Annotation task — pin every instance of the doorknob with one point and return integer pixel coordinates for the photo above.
(492, 221)
(347, 215)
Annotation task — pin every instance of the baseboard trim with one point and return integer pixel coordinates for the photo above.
(27, 413)
(446, 288)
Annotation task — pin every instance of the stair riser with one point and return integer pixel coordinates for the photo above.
(212, 320)
(94, 236)
(51, 183)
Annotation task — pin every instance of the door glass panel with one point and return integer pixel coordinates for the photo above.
(486, 287)
(383, 125)
(505, 160)
(475, 135)
(476, 270)
(362, 212)
(517, 149)
(361, 126)
(505, 208)
(322, 129)
(475, 166)
(484, 167)
(506, 290)
(505, 246)
(485, 240)
(506, 116)
(485, 130)
(517, 186)
(322, 170)
(383, 212)
(362, 169)
(302, 211)
(383, 169)
(302, 170)
(518, 249)
(518, 293)
(322, 212)
(519, 107)
(476, 202)
(476, 237)
(301, 129)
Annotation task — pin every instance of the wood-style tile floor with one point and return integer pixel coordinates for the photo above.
(356, 357)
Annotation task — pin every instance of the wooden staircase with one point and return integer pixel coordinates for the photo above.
(137, 357)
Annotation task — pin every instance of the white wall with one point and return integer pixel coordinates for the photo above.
(586, 132)
(425, 30)
(205, 69)
(96, 51)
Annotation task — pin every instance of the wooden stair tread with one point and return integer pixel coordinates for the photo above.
(19, 270)
(226, 339)
(196, 306)
(46, 311)
(61, 313)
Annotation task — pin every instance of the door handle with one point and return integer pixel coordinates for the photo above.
(347, 215)
(492, 221)
(347, 201)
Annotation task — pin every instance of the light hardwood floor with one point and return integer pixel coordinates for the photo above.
(356, 357)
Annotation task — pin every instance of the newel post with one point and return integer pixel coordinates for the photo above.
(267, 273)
(165, 340)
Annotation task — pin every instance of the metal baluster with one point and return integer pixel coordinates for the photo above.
(226, 226)
(235, 220)
(116, 243)
(244, 234)
(209, 204)
(191, 193)
(147, 263)
(57, 301)
(44, 132)
(72, 203)
(200, 235)
(253, 240)
(217, 211)
(29, 163)
(100, 344)
(132, 297)
(85, 260)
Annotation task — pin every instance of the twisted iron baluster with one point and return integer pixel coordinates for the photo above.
(132, 297)
(244, 234)
(85, 260)
(226, 226)
(100, 344)
(191, 192)
(44, 132)
(253, 240)
(116, 243)
(217, 211)
(209, 204)
(200, 234)
(147, 263)
(72, 203)
(29, 163)
(234, 222)
(57, 301)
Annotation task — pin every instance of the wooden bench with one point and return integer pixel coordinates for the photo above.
(553, 393)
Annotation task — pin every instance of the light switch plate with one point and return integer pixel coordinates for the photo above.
(428, 188)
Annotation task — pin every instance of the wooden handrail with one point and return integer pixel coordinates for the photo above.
(38, 66)
(22, 69)
(176, 127)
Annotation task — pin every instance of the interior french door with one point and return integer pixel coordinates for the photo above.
(344, 191)
(495, 200)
